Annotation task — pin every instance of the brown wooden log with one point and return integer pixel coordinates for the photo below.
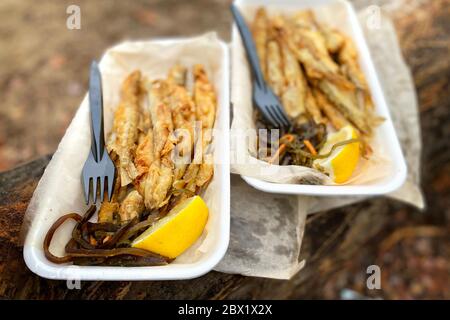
(331, 239)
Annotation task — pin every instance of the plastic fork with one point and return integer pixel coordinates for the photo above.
(98, 169)
(263, 96)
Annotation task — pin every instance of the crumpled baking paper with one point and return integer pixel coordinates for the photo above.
(260, 251)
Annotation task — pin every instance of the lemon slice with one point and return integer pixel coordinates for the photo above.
(177, 231)
(342, 162)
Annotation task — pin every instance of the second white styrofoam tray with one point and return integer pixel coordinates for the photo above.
(344, 12)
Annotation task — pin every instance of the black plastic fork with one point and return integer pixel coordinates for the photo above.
(98, 168)
(263, 96)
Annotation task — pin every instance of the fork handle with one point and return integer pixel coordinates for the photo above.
(96, 107)
(249, 44)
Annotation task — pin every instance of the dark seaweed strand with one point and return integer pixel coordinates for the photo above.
(49, 236)
(324, 156)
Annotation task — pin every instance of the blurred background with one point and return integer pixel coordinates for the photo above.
(44, 75)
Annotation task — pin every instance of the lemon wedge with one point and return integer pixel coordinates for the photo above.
(178, 230)
(342, 162)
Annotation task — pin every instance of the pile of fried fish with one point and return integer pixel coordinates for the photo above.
(314, 70)
(160, 143)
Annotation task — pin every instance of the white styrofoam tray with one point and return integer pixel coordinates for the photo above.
(65, 177)
(342, 17)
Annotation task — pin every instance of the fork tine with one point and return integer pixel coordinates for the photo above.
(277, 115)
(86, 187)
(102, 188)
(94, 189)
(282, 115)
(267, 115)
(276, 121)
(110, 186)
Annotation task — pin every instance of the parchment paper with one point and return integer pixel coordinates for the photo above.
(266, 255)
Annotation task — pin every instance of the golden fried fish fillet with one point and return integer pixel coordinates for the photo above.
(312, 108)
(204, 97)
(183, 117)
(160, 173)
(125, 128)
(259, 30)
(334, 40)
(293, 97)
(200, 170)
(275, 67)
(107, 211)
(348, 58)
(309, 47)
(305, 19)
(144, 156)
(177, 75)
(345, 101)
(336, 118)
(132, 206)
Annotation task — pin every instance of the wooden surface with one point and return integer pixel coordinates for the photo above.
(331, 240)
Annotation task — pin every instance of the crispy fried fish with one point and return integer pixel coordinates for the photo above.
(259, 30)
(183, 117)
(293, 97)
(345, 101)
(160, 174)
(125, 128)
(334, 40)
(204, 97)
(108, 209)
(144, 157)
(312, 107)
(275, 67)
(201, 170)
(348, 58)
(336, 118)
(132, 206)
(177, 75)
(309, 47)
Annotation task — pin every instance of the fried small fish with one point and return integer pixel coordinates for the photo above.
(345, 101)
(204, 97)
(183, 115)
(336, 118)
(293, 97)
(309, 47)
(160, 174)
(107, 211)
(144, 157)
(259, 30)
(132, 206)
(312, 108)
(305, 19)
(200, 170)
(348, 58)
(275, 67)
(125, 128)
(334, 40)
(177, 75)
